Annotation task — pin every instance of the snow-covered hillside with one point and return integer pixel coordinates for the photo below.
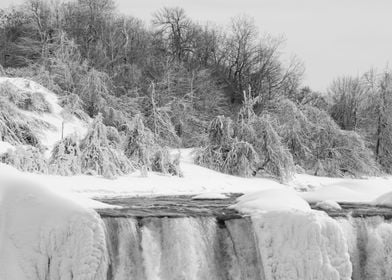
(50, 124)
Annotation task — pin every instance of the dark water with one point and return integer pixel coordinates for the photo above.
(170, 206)
(185, 206)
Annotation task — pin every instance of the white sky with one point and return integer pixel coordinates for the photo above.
(332, 37)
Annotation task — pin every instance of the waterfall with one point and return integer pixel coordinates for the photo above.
(275, 245)
(369, 242)
(182, 248)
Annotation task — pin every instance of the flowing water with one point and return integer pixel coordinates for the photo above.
(172, 238)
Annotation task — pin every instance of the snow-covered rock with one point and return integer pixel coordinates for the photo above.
(46, 236)
(210, 196)
(384, 200)
(270, 200)
(328, 205)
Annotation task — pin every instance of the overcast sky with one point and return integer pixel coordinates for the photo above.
(331, 37)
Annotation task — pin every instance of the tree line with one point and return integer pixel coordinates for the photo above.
(226, 90)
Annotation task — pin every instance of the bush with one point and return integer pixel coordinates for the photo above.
(241, 159)
(98, 158)
(224, 152)
(65, 158)
(74, 105)
(336, 152)
(24, 99)
(27, 159)
(139, 145)
(164, 163)
(13, 128)
(273, 156)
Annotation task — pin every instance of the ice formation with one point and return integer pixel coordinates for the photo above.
(45, 236)
(302, 246)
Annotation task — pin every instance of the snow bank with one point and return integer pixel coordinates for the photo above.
(54, 120)
(46, 236)
(5, 146)
(384, 200)
(301, 245)
(270, 200)
(328, 205)
(210, 196)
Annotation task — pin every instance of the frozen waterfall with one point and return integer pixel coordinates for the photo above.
(276, 245)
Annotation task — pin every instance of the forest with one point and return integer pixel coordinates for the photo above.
(148, 88)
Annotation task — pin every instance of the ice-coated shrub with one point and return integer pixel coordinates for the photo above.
(24, 99)
(139, 145)
(219, 143)
(319, 145)
(27, 159)
(273, 156)
(74, 105)
(162, 161)
(114, 138)
(66, 158)
(336, 152)
(14, 128)
(247, 147)
(98, 158)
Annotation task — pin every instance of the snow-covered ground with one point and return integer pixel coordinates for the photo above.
(196, 181)
(57, 122)
(47, 236)
(44, 219)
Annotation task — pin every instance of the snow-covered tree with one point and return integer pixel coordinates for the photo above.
(28, 159)
(14, 128)
(98, 158)
(65, 158)
(163, 162)
(139, 145)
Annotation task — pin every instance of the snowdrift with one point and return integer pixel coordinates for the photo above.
(46, 236)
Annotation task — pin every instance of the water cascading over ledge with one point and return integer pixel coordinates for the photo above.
(183, 239)
(182, 248)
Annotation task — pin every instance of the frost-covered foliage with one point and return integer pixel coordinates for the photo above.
(36, 73)
(318, 144)
(114, 118)
(26, 158)
(224, 152)
(14, 128)
(159, 119)
(336, 152)
(165, 163)
(74, 105)
(145, 153)
(247, 147)
(98, 157)
(273, 156)
(2, 71)
(93, 89)
(114, 138)
(139, 145)
(24, 99)
(66, 158)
